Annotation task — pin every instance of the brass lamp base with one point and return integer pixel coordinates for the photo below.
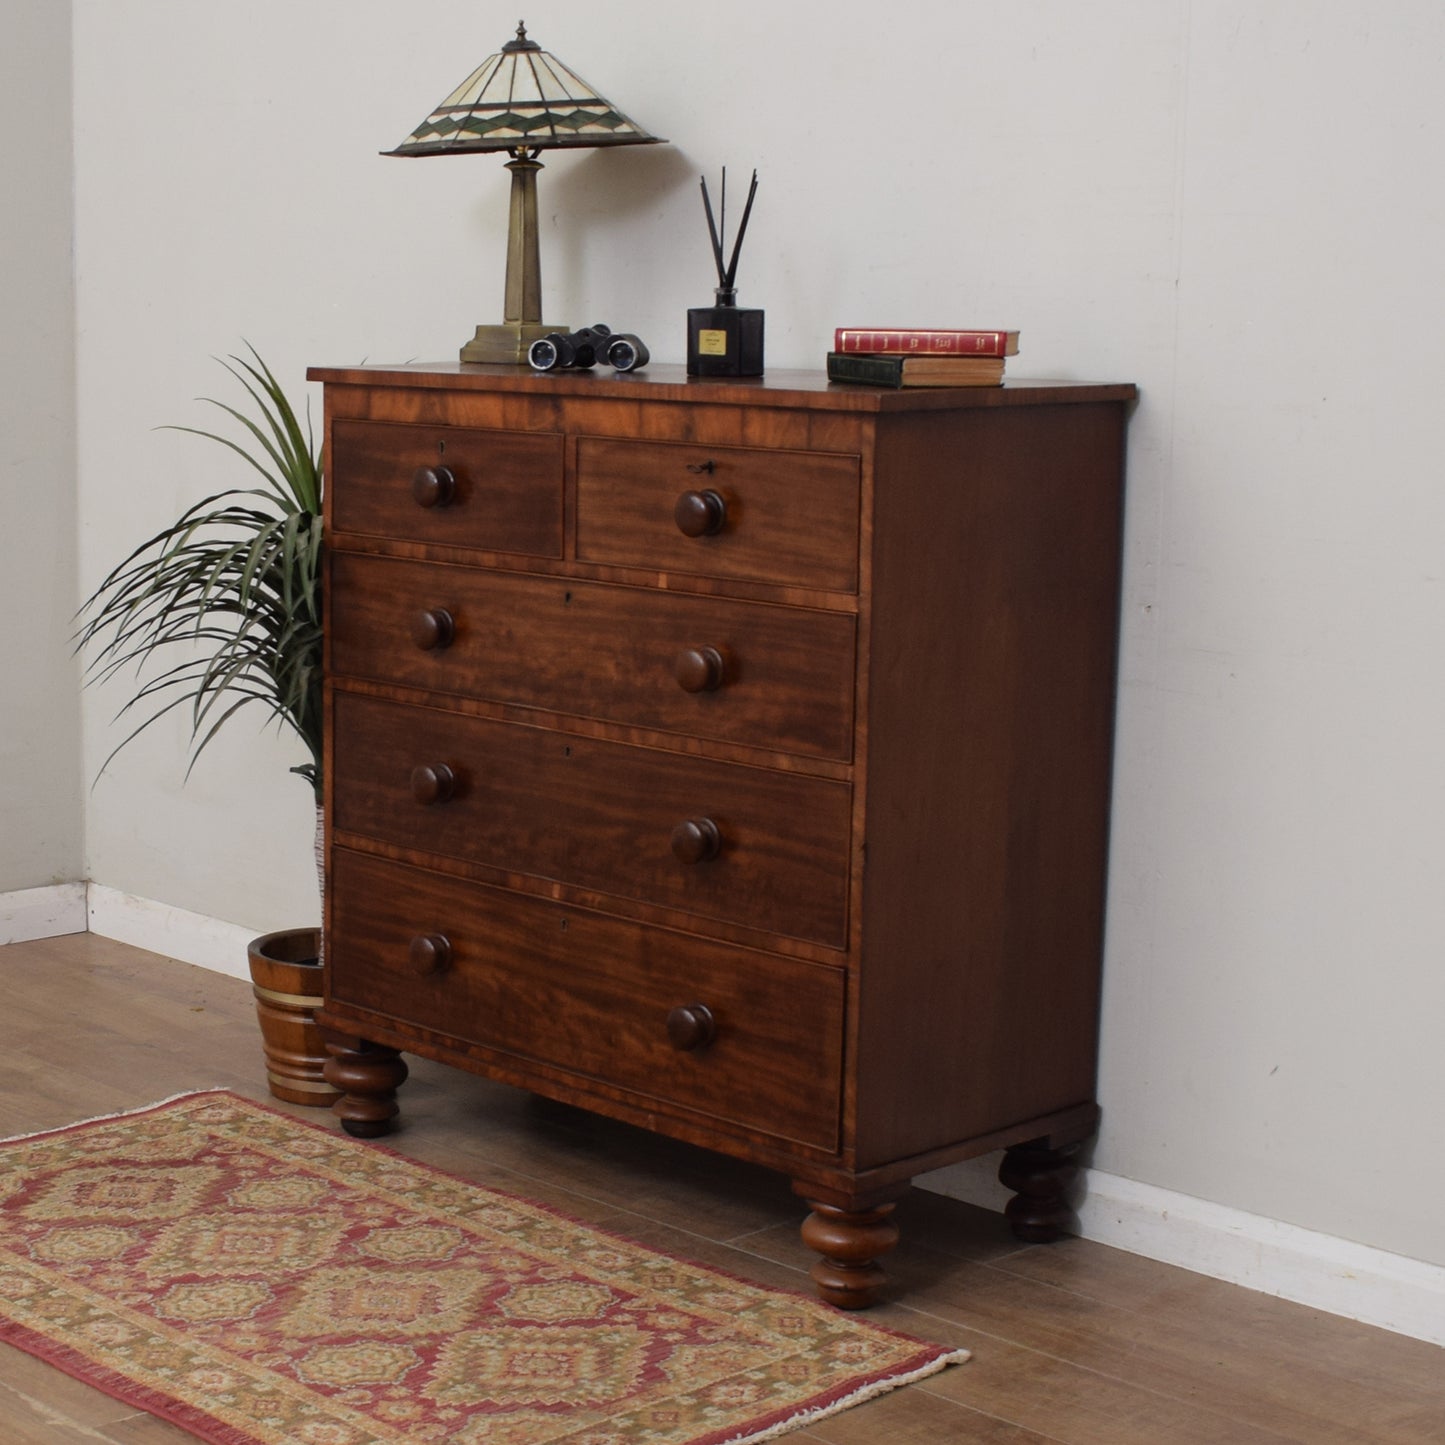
(508, 343)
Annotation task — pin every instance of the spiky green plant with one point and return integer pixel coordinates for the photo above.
(232, 588)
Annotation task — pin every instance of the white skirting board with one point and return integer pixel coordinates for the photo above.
(1335, 1275)
(49, 912)
(190, 937)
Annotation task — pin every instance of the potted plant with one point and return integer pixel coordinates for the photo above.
(220, 610)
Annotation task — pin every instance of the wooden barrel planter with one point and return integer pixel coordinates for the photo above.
(286, 978)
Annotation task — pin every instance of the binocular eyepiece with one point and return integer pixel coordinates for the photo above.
(560, 350)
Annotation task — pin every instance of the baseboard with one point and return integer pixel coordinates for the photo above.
(174, 932)
(31, 913)
(1338, 1276)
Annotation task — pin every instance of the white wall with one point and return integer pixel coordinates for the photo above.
(1235, 205)
(41, 816)
(1275, 988)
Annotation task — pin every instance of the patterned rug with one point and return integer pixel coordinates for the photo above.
(259, 1280)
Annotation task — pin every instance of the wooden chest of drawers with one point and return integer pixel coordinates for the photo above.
(731, 758)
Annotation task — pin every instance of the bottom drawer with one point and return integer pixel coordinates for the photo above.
(592, 995)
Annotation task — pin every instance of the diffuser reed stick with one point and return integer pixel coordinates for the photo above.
(727, 274)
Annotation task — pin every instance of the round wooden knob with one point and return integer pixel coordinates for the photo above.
(433, 486)
(433, 783)
(699, 669)
(700, 514)
(429, 953)
(695, 840)
(433, 629)
(691, 1026)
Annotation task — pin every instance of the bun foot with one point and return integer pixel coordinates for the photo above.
(367, 1076)
(1041, 1178)
(850, 1242)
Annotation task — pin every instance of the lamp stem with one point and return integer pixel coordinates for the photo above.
(524, 264)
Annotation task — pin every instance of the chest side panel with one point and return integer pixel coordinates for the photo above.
(995, 575)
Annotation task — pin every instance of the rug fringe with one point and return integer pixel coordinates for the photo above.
(119, 1114)
(870, 1391)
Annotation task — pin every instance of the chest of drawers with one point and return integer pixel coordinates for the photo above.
(729, 757)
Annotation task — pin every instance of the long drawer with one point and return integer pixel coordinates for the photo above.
(498, 490)
(777, 677)
(764, 516)
(593, 995)
(760, 848)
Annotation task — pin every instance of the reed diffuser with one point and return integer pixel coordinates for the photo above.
(725, 339)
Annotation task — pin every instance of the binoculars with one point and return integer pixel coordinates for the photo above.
(559, 350)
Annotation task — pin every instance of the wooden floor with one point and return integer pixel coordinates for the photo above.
(1072, 1342)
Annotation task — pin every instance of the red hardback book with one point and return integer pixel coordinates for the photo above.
(926, 343)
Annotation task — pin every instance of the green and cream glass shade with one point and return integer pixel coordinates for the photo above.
(521, 101)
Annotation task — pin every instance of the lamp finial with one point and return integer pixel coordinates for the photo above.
(521, 42)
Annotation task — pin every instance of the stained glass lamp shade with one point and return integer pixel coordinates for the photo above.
(521, 101)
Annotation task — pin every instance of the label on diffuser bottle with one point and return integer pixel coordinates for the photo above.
(712, 343)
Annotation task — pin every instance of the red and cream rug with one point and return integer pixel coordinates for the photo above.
(260, 1280)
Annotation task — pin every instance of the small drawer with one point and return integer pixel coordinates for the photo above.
(724, 1032)
(746, 672)
(763, 849)
(499, 491)
(783, 517)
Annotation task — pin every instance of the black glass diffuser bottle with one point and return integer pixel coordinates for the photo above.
(725, 339)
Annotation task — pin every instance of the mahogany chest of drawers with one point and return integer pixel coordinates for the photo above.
(729, 757)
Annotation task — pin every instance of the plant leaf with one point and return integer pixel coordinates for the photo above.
(232, 589)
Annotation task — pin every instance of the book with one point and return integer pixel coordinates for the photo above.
(916, 370)
(934, 343)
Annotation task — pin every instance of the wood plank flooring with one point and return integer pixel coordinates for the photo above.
(1073, 1342)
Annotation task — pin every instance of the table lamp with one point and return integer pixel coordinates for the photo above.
(521, 101)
